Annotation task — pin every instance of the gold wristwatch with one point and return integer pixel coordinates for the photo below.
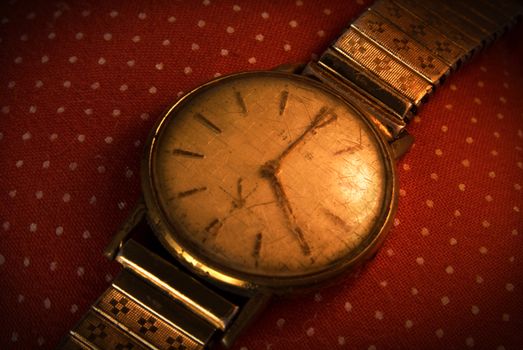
(264, 183)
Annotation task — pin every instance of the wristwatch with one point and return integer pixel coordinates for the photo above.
(270, 182)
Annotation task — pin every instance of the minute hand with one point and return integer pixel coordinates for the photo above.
(321, 119)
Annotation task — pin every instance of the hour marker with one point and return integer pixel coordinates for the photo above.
(240, 101)
(182, 152)
(337, 220)
(257, 247)
(207, 123)
(191, 191)
(283, 100)
(214, 226)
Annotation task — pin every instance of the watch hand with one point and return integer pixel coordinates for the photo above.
(323, 118)
(268, 172)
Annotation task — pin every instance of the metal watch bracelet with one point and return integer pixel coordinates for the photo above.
(390, 59)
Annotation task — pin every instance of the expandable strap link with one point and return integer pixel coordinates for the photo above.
(398, 51)
(142, 310)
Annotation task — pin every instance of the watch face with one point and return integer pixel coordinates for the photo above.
(266, 177)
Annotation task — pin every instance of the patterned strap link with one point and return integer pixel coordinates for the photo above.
(136, 313)
(398, 52)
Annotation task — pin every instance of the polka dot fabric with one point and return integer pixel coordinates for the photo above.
(82, 83)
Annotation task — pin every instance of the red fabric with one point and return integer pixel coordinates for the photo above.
(81, 85)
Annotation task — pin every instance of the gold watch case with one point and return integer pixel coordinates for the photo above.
(238, 121)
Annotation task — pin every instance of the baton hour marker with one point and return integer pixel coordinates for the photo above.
(240, 101)
(182, 152)
(283, 100)
(207, 123)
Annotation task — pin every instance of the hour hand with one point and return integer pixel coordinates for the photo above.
(268, 171)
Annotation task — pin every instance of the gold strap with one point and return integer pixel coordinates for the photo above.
(398, 52)
(136, 312)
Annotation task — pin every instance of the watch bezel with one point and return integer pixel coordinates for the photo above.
(241, 281)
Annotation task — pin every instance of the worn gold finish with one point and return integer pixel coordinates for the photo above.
(422, 32)
(401, 46)
(165, 276)
(378, 62)
(275, 213)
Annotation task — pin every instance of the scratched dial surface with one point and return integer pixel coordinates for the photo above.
(270, 176)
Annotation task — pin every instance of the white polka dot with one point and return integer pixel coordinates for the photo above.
(101, 61)
(136, 39)
(438, 152)
(187, 70)
(479, 279)
(153, 90)
(461, 187)
(310, 331)
(79, 36)
(142, 15)
(51, 35)
(439, 333)
(66, 197)
(32, 109)
(14, 337)
(408, 324)
(236, 8)
(20, 298)
(485, 223)
(86, 13)
(224, 52)
(88, 111)
(453, 241)
(280, 323)
(116, 112)
(474, 309)
(445, 300)
(450, 270)
(503, 99)
(33, 227)
(229, 30)
(469, 140)
(101, 169)
(80, 271)
(293, 24)
(318, 297)
(390, 252)
(121, 205)
(144, 116)
(123, 87)
(477, 101)
(11, 84)
(378, 315)
(371, 347)
(514, 232)
(457, 213)
(327, 11)
(195, 47)
(60, 110)
(19, 163)
(414, 291)
(347, 306)
(264, 15)
(496, 134)
(47, 303)
(470, 342)
(131, 63)
(39, 194)
(483, 250)
(287, 47)
(406, 167)
(53, 265)
(6, 225)
(73, 308)
(46, 164)
(86, 235)
(420, 260)
(320, 33)
(341, 340)
(44, 59)
(26, 136)
(108, 36)
(40, 341)
(201, 23)
(5, 109)
(73, 59)
(252, 60)
(113, 13)
(509, 287)
(259, 37)
(505, 317)
(491, 174)
(95, 85)
(171, 19)
(57, 13)
(429, 203)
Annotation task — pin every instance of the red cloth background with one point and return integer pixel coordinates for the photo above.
(81, 83)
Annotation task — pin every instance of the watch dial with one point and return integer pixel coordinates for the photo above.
(268, 175)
